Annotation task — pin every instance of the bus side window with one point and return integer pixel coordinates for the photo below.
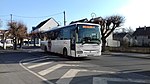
(52, 36)
(66, 33)
(57, 35)
(60, 35)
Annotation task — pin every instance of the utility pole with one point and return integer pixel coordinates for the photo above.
(64, 18)
(11, 18)
(14, 39)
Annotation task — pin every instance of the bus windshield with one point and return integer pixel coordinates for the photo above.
(88, 34)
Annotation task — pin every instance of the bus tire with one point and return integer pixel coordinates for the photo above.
(65, 52)
(45, 49)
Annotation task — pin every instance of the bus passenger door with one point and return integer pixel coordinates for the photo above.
(72, 42)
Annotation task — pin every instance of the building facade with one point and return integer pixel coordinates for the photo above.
(142, 36)
(42, 27)
(111, 42)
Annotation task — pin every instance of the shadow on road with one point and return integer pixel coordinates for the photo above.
(105, 78)
(14, 56)
(130, 76)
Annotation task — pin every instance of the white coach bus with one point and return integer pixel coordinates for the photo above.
(77, 40)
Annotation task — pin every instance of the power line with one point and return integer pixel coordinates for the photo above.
(12, 15)
(4, 15)
(38, 16)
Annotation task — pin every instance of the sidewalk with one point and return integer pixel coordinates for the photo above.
(133, 55)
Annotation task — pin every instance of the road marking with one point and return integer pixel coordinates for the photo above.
(68, 76)
(104, 80)
(30, 59)
(49, 70)
(110, 72)
(73, 62)
(35, 61)
(44, 79)
(38, 65)
(65, 79)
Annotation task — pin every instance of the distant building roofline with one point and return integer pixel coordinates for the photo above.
(43, 22)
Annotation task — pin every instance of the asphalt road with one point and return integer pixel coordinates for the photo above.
(32, 66)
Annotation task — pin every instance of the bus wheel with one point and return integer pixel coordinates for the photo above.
(65, 52)
(45, 49)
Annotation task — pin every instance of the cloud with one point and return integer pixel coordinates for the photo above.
(136, 13)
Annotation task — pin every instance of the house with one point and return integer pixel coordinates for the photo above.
(45, 25)
(124, 38)
(142, 36)
(42, 27)
(2, 34)
(3, 40)
(111, 42)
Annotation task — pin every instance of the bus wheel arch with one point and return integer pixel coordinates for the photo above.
(65, 53)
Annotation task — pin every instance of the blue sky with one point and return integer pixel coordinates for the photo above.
(75, 10)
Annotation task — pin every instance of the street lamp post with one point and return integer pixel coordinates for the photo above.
(93, 15)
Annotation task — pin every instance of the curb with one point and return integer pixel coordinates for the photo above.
(110, 53)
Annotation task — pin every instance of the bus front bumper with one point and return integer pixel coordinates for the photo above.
(88, 53)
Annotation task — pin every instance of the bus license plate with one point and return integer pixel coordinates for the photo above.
(91, 55)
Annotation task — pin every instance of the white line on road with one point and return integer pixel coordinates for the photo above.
(73, 62)
(38, 65)
(30, 59)
(49, 70)
(36, 61)
(67, 77)
(110, 72)
(44, 79)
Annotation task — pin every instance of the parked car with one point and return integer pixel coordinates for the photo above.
(8, 43)
(1, 44)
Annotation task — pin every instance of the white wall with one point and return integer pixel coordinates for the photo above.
(112, 43)
(49, 24)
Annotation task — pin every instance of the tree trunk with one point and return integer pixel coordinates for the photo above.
(34, 41)
(4, 45)
(15, 44)
(28, 42)
(21, 43)
(103, 44)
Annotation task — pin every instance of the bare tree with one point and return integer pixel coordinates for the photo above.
(108, 25)
(18, 31)
(130, 30)
(0, 23)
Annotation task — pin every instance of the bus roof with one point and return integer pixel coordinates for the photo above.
(84, 23)
(54, 28)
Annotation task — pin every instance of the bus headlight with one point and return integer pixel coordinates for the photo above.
(79, 52)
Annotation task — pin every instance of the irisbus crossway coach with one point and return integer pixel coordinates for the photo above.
(77, 40)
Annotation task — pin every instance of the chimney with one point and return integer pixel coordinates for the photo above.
(144, 27)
